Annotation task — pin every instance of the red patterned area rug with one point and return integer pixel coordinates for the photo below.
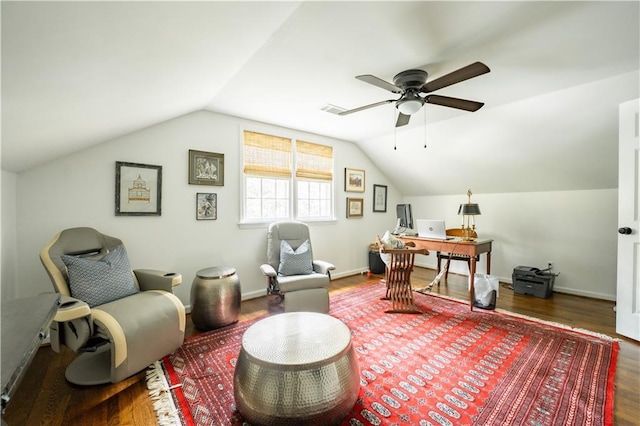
(447, 366)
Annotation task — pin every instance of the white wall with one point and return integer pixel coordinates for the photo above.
(577, 230)
(9, 238)
(78, 190)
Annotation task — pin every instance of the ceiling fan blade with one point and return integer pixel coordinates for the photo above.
(372, 79)
(464, 73)
(403, 119)
(362, 108)
(454, 102)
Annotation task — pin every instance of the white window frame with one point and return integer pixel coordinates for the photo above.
(293, 183)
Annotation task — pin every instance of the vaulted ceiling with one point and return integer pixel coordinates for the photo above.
(76, 74)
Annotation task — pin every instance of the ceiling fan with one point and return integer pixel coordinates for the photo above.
(411, 83)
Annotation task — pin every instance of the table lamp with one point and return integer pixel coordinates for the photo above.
(468, 211)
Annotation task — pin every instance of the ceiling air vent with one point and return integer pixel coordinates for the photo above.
(332, 109)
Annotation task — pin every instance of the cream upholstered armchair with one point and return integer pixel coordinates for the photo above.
(120, 320)
(292, 272)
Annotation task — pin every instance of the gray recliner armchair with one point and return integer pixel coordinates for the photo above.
(120, 320)
(292, 272)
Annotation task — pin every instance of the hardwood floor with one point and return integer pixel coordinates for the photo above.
(46, 398)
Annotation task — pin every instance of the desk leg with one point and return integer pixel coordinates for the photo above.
(488, 263)
(472, 275)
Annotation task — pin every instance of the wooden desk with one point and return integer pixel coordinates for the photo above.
(457, 246)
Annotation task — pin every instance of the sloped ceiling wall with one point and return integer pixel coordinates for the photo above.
(76, 74)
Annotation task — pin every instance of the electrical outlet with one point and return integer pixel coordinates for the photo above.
(550, 265)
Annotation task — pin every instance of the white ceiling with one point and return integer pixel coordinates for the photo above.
(75, 74)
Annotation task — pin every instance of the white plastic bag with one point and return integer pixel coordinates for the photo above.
(484, 286)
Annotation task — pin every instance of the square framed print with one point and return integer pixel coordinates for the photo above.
(379, 198)
(206, 206)
(355, 207)
(138, 189)
(206, 168)
(353, 180)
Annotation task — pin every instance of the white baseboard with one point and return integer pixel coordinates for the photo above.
(507, 280)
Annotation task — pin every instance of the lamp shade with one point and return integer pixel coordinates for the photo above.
(409, 106)
(470, 209)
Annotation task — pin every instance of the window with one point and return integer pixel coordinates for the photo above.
(274, 165)
(314, 177)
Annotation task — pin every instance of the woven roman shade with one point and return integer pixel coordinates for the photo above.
(266, 155)
(314, 161)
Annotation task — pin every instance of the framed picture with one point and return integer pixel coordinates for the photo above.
(379, 198)
(206, 168)
(353, 180)
(355, 207)
(138, 189)
(206, 206)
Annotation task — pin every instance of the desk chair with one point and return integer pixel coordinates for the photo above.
(456, 232)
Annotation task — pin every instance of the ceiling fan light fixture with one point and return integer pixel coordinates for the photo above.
(409, 106)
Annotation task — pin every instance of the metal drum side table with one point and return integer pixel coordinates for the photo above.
(296, 368)
(215, 297)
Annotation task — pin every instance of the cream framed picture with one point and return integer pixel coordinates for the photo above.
(353, 180)
(355, 207)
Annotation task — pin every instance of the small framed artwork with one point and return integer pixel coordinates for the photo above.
(206, 168)
(206, 206)
(138, 189)
(379, 198)
(355, 207)
(353, 180)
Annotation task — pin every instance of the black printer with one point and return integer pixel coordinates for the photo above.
(533, 281)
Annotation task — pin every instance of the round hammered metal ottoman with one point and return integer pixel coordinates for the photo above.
(215, 297)
(296, 368)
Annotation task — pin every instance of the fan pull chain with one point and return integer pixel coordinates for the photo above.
(425, 126)
(395, 132)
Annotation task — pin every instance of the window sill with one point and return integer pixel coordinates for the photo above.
(254, 225)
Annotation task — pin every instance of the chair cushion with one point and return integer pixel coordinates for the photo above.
(302, 282)
(295, 262)
(100, 281)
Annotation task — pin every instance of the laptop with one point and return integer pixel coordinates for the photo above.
(432, 229)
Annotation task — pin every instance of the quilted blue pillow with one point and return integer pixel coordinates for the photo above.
(97, 282)
(295, 262)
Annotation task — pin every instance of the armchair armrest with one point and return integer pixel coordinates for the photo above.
(151, 279)
(268, 270)
(323, 267)
(72, 325)
(70, 309)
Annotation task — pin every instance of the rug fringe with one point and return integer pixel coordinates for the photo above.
(527, 317)
(159, 390)
(562, 326)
